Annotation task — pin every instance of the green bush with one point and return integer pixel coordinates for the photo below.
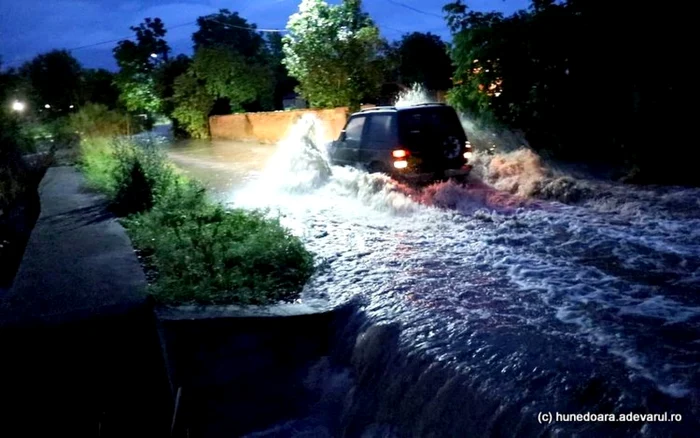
(199, 251)
(132, 176)
(203, 253)
(142, 175)
(95, 120)
(98, 163)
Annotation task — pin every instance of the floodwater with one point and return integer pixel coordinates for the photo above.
(524, 291)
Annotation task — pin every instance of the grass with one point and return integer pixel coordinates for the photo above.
(199, 251)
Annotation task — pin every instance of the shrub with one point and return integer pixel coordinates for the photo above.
(192, 105)
(203, 253)
(132, 175)
(95, 120)
(97, 161)
(142, 174)
(199, 252)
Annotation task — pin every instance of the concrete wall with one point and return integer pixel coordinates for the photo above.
(244, 369)
(271, 127)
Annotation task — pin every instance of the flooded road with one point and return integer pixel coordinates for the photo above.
(487, 304)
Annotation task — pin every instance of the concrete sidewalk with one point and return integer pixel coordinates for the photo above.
(79, 262)
(79, 351)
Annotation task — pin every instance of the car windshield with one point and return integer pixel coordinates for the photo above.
(423, 127)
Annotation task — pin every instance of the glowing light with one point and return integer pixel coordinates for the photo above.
(400, 153)
(47, 106)
(154, 55)
(18, 106)
(469, 155)
(71, 107)
(401, 164)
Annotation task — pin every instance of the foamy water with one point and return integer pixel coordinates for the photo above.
(542, 292)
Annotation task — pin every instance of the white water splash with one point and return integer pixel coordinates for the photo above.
(413, 96)
(300, 163)
(544, 287)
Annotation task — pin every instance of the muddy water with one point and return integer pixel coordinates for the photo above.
(522, 292)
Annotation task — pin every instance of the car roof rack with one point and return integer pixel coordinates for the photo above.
(387, 108)
(378, 108)
(430, 104)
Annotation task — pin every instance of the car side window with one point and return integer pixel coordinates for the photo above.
(380, 131)
(353, 131)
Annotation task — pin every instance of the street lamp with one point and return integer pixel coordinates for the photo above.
(18, 106)
(154, 55)
(47, 106)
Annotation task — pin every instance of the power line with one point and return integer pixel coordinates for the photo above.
(130, 37)
(404, 5)
(124, 38)
(254, 29)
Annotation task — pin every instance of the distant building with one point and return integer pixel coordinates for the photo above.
(293, 101)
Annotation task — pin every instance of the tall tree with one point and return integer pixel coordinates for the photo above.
(534, 71)
(138, 62)
(56, 80)
(233, 60)
(228, 75)
(99, 88)
(335, 52)
(228, 29)
(422, 58)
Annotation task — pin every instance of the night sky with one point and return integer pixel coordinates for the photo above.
(30, 27)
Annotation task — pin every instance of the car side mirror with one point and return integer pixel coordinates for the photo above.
(343, 135)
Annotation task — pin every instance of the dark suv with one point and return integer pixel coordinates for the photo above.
(418, 143)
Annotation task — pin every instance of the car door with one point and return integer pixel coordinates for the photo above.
(346, 152)
(379, 140)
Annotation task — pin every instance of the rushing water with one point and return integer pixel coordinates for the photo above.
(524, 291)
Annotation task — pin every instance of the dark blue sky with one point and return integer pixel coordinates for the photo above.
(30, 27)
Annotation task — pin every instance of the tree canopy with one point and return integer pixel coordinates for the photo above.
(232, 70)
(229, 75)
(230, 30)
(55, 79)
(137, 63)
(421, 58)
(99, 88)
(572, 80)
(335, 52)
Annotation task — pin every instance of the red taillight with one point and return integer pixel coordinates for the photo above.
(400, 153)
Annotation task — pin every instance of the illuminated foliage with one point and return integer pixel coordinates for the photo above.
(137, 62)
(192, 105)
(229, 75)
(335, 53)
